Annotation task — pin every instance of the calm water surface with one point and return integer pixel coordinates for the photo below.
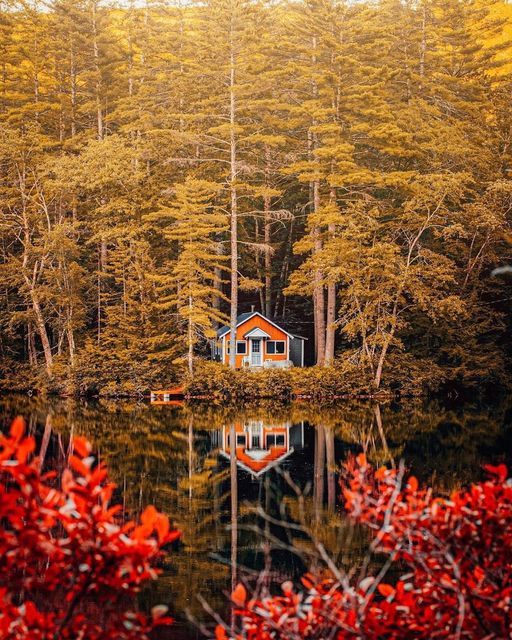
(285, 465)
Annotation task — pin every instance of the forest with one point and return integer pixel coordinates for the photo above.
(344, 166)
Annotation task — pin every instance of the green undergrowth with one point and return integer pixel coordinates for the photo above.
(403, 375)
(342, 379)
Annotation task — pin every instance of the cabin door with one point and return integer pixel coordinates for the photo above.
(256, 352)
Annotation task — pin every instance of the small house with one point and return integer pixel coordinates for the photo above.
(260, 342)
(260, 447)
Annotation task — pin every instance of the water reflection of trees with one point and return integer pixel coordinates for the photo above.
(167, 456)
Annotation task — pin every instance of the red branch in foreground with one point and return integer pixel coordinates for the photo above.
(68, 567)
(451, 558)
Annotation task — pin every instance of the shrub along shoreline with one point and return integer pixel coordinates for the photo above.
(407, 377)
(341, 380)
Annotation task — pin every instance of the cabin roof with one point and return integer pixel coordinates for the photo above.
(258, 467)
(243, 317)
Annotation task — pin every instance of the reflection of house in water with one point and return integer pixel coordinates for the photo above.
(260, 447)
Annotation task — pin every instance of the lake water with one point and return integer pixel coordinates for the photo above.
(232, 505)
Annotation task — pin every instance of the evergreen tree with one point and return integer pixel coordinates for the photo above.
(193, 222)
(355, 155)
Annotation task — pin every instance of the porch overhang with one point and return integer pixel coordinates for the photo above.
(256, 333)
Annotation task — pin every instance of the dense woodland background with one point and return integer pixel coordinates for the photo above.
(345, 166)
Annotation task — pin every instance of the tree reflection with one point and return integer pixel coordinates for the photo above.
(170, 456)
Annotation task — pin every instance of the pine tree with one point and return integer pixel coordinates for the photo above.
(193, 222)
(373, 137)
(334, 63)
(228, 82)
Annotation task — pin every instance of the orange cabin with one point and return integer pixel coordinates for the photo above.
(260, 342)
(260, 447)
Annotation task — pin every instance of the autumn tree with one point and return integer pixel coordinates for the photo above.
(193, 222)
(361, 152)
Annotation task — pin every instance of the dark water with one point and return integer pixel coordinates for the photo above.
(231, 507)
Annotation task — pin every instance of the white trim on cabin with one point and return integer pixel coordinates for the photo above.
(286, 350)
(257, 313)
(256, 332)
(269, 466)
(256, 357)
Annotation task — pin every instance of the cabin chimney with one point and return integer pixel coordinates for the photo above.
(252, 308)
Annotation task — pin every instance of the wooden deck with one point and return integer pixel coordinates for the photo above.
(173, 396)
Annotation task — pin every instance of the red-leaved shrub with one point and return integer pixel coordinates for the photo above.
(451, 558)
(68, 567)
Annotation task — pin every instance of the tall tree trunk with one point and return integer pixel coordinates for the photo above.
(384, 350)
(234, 508)
(423, 44)
(190, 338)
(190, 454)
(257, 261)
(380, 428)
(31, 345)
(31, 286)
(331, 468)
(62, 125)
(73, 89)
(234, 210)
(35, 58)
(97, 70)
(217, 285)
(45, 441)
(380, 364)
(99, 318)
(266, 238)
(71, 342)
(285, 267)
(43, 334)
(330, 329)
(318, 287)
(318, 489)
(330, 326)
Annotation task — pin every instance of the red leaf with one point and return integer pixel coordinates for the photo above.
(307, 581)
(172, 536)
(361, 460)
(17, 428)
(149, 516)
(82, 446)
(239, 595)
(412, 483)
(51, 535)
(162, 527)
(385, 590)
(381, 473)
(500, 471)
(25, 448)
(220, 633)
(76, 464)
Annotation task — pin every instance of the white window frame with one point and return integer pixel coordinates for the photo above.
(275, 352)
(228, 344)
(273, 437)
